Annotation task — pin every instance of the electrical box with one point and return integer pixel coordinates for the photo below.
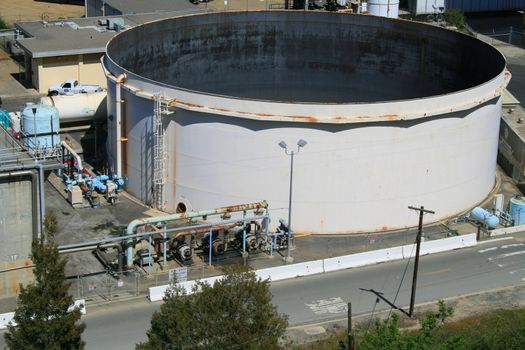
(75, 197)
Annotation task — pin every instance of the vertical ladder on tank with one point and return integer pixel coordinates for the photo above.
(159, 150)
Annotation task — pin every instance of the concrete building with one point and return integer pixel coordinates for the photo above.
(395, 113)
(19, 217)
(511, 151)
(419, 7)
(56, 51)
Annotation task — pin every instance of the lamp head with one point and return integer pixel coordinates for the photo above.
(301, 143)
(283, 144)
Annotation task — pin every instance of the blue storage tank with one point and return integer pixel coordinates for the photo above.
(40, 125)
(5, 120)
(485, 5)
(517, 210)
(487, 218)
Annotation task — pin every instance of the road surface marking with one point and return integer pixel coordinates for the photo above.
(501, 256)
(334, 305)
(512, 245)
(487, 250)
(502, 247)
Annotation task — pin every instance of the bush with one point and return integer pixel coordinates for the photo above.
(456, 18)
(3, 24)
(235, 313)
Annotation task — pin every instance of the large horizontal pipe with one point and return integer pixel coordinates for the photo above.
(89, 247)
(17, 268)
(78, 107)
(172, 217)
(206, 229)
(70, 248)
(150, 233)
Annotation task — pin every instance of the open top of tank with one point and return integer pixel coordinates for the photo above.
(298, 56)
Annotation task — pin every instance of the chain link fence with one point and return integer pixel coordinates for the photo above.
(108, 286)
(510, 36)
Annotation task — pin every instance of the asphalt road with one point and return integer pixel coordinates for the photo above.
(490, 265)
(323, 297)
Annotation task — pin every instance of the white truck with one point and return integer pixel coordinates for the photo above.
(72, 87)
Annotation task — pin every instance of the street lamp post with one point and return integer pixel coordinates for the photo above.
(300, 144)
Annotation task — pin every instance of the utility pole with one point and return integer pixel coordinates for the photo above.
(422, 211)
(351, 343)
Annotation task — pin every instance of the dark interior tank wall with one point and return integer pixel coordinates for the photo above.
(319, 57)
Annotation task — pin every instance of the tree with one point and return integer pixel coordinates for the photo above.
(3, 24)
(41, 315)
(235, 313)
(456, 17)
(385, 335)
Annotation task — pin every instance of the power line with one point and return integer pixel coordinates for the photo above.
(400, 283)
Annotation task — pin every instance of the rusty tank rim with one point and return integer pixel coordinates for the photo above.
(312, 112)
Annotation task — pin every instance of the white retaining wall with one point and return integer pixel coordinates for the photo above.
(507, 230)
(341, 262)
(7, 318)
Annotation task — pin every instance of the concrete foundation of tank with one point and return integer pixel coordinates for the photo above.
(395, 113)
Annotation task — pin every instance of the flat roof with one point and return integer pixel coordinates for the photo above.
(81, 35)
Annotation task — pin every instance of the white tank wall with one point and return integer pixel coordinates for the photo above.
(137, 151)
(346, 179)
(349, 178)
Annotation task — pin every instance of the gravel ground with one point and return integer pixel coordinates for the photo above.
(13, 11)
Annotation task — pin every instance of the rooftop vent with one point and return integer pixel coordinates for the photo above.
(115, 24)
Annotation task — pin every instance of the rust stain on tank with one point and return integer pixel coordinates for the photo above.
(191, 105)
(223, 110)
(385, 117)
(307, 119)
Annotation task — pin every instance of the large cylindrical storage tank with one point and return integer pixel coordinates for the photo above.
(395, 113)
(384, 8)
(40, 126)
